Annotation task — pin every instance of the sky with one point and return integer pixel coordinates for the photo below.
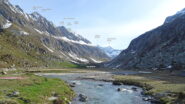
(105, 22)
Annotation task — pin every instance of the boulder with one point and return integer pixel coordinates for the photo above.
(145, 99)
(72, 85)
(134, 88)
(100, 84)
(121, 89)
(3, 73)
(82, 98)
(14, 94)
(117, 83)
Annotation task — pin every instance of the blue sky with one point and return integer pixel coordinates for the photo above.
(123, 20)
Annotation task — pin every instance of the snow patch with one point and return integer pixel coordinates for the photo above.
(169, 67)
(40, 32)
(110, 51)
(133, 52)
(24, 33)
(75, 57)
(47, 33)
(27, 16)
(49, 49)
(96, 61)
(72, 41)
(7, 25)
(74, 62)
(117, 66)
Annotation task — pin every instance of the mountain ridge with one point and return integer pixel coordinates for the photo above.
(160, 48)
(54, 44)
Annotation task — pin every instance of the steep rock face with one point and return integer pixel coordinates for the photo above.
(161, 48)
(56, 43)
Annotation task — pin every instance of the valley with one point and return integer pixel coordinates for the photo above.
(45, 63)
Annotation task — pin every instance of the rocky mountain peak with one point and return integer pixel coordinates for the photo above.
(175, 16)
(181, 12)
(18, 8)
(36, 15)
(111, 52)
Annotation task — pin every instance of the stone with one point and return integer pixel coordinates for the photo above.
(3, 73)
(134, 88)
(14, 94)
(145, 99)
(82, 98)
(52, 98)
(100, 84)
(121, 89)
(72, 85)
(117, 83)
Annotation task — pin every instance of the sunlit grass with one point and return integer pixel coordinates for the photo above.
(35, 89)
(158, 82)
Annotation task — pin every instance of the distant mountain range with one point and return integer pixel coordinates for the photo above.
(30, 40)
(111, 52)
(160, 48)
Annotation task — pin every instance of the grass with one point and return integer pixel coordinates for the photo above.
(15, 47)
(158, 83)
(55, 70)
(35, 90)
(65, 64)
(28, 51)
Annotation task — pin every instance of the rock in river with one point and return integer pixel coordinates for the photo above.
(72, 85)
(121, 89)
(134, 88)
(82, 98)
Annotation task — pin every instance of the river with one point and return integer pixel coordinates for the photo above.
(100, 92)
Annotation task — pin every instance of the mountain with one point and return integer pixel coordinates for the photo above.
(30, 40)
(160, 48)
(111, 52)
(177, 15)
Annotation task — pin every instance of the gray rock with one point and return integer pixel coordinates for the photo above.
(100, 84)
(134, 88)
(72, 85)
(14, 94)
(82, 98)
(3, 73)
(121, 89)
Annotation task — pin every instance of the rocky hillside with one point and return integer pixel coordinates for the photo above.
(32, 40)
(160, 48)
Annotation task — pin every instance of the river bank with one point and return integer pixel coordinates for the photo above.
(168, 88)
(99, 91)
(165, 87)
(21, 88)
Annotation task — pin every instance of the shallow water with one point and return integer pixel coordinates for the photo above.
(104, 94)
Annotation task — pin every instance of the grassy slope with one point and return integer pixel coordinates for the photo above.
(27, 51)
(156, 83)
(35, 89)
(14, 47)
